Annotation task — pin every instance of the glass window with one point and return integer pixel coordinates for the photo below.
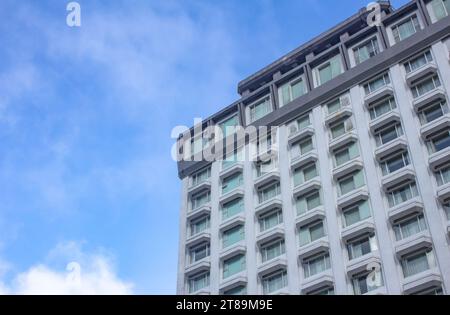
(310, 233)
(308, 202)
(265, 167)
(438, 142)
(356, 213)
(200, 199)
(388, 134)
(198, 282)
(385, 106)
(232, 159)
(340, 128)
(361, 246)
(316, 265)
(351, 182)
(366, 50)
(198, 144)
(366, 282)
(239, 290)
(334, 106)
(271, 220)
(377, 83)
(329, 70)
(409, 226)
(199, 225)
(233, 236)
(260, 108)
(441, 8)
(233, 265)
(346, 154)
(199, 252)
(301, 123)
(302, 147)
(406, 28)
(229, 125)
(425, 86)
(232, 208)
(402, 194)
(291, 90)
(272, 250)
(443, 175)
(305, 173)
(418, 61)
(274, 281)
(201, 176)
(326, 291)
(232, 182)
(269, 191)
(433, 112)
(394, 163)
(416, 263)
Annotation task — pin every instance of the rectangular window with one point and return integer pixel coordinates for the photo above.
(232, 208)
(270, 220)
(239, 290)
(311, 232)
(433, 112)
(409, 226)
(305, 173)
(417, 263)
(394, 163)
(269, 191)
(201, 176)
(272, 250)
(232, 159)
(233, 266)
(364, 283)
(316, 265)
(291, 90)
(356, 213)
(199, 252)
(308, 202)
(425, 86)
(198, 282)
(351, 182)
(341, 128)
(198, 144)
(346, 154)
(326, 291)
(302, 147)
(441, 8)
(402, 194)
(438, 142)
(418, 62)
(232, 182)
(377, 83)
(265, 167)
(366, 51)
(260, 108)
(233, 236)
(329, 70)
(443, 175)
(229, 125)
(300, 124)
(361, 246)
(274, 281)
(388, 134)
(199, 225)
(447, 210)
(406, 29)
(200, 199)
(385, 106)
(334, 106)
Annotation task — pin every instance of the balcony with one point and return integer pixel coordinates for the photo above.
(304, 159)
(347, 168)
(406, 208)
(272, 265)
(311, 185)
(270, 176)
(198, 212)
(424, 71)
(232, 282)
(204, 185)
(383, 120)
(432, 127)
(422, 281)
(231, 195)
(401, 175)
(310, 216)
(343, 112)
(352, 197)
(435, 95)
(443, 192)
(436, 159)
(198, 266)
(232, 169)
(319, 246)
(316, 282)
(357, 229)
(301, 134)
(413, 243)
(395, 145)
(238, 219)
(378, 95)
(233, 250)
(268, 205)
(270, 234)
(360, 264)
(201, 237)
(343, 140)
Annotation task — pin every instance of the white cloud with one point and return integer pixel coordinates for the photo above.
(91, 274)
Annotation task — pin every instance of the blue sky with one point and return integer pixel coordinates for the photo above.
(85, 121)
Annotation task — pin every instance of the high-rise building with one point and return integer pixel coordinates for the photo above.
(350, 194)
